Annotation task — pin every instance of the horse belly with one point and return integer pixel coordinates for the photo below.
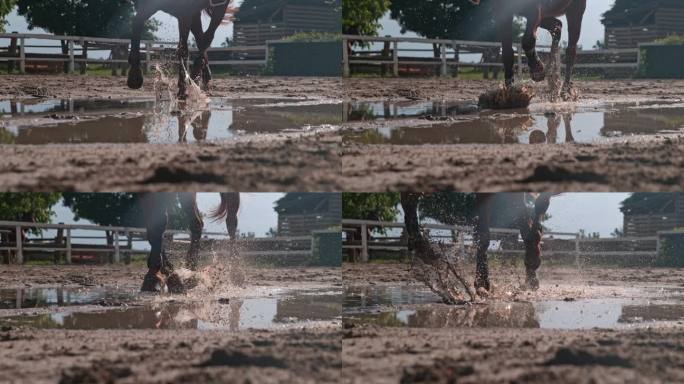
(555, 8)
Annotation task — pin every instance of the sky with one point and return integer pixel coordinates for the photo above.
(592, 27)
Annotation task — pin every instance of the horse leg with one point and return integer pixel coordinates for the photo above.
(532, 231)
(505, 23)
(154, 212)
(216, 20)
(198, 32)
(135, 73)
(575, 14)
(233, 206)
(184, 28)
(416, 242)
(529, 44)
(188, 203)
(567, 120)
(482, 240)
(555, 28)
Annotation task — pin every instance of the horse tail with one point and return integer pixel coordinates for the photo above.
(230, 203)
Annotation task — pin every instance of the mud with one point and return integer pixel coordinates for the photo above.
(589, 325)
(90, 324)
(616, 137)
(275, 147)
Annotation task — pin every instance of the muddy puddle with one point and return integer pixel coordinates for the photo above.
(23, 298)
(281, 309)
(147, 121)
(417, 307)
(463, 123)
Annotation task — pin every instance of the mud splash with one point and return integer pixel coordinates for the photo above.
(416, 307)
(455, 123)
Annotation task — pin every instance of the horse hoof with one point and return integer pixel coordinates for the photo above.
(569, 94)
(532, 283)
(151, 283)
(175, 284)
(538, 76)
(135, 78)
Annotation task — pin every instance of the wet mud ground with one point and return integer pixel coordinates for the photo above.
(89, 324)
(291, 141)
(598, 325)
(427, 135)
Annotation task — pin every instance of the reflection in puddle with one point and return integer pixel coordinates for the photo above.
(293, 308)
(143, 121)
(50, 297)
(379, 306)
(464, 124)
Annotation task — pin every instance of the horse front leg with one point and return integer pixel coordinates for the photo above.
(574, 15)
(135, 73)
(417, 243)
(188, 203)
(207, 38)
(183, 53)
(532, 231)
(529, 45)
(482, 240)
(505, 25)
(154, 213)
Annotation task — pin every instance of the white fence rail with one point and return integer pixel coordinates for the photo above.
(464, 235)
(23, 48)
(130, 235)
(450, 52)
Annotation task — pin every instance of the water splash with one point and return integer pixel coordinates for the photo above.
(553, 76)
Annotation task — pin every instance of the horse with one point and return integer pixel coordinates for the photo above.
(154, 207)
(189, 15)
(507, 209)
(544, 14)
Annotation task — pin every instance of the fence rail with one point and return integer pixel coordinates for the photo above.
(578, 248)
(391, 54)
(66, 243)
(78, 48)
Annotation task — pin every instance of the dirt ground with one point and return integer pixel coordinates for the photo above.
(305, 354)
(377, 354)
(276, 162)
(644, 164)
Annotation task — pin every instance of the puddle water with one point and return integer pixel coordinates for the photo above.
(51, 297)
(387, 307)
(456, 123)
(291, 308)
(144, 121)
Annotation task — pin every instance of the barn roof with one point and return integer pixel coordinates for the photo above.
(650, 203)
(304, 203)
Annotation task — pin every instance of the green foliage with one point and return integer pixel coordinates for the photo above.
(448, 207)
(370, 206)
(32, 207)
(96, 18)
(6, 7)
(671, 40)
(361, 17)
(671, 252)
(313, 37)
(120, 209)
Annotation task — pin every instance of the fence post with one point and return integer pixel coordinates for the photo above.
(657, 244)
(577, 252)
(22, 56)
(20, 251)
(395, 58)
(364, 243)
(520, 61)
(117, 255)
(346, 71)
(443, 57)
(68, 246)
(148, 57)
(72, 59)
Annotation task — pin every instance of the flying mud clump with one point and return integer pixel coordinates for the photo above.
(511, 97)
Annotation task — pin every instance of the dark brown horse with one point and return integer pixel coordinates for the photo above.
(155, 206)
(503, 209)
(544, 14)
(189, 15)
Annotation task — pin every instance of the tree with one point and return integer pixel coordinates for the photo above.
(6, 7)
(29, 207)
(361, 17)
(617, 232)
(370, 206)
(644, 203)
(118, 209)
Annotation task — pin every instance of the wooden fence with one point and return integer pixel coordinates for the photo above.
(124, 238)
(451, 51)
(556, 244)
(23, 49)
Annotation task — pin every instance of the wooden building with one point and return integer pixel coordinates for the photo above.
(301, 213)
(277, 19)
(650, 20)
(647, 213)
